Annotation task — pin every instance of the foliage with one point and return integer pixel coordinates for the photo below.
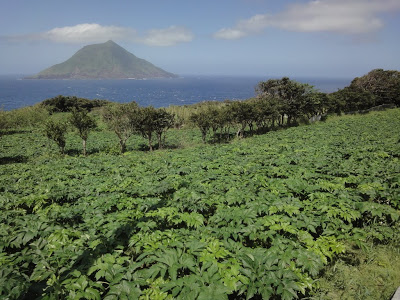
(25, 117)
(296, 99)
(84, 123)
(352, 99)
(262, 217)
(384, 85)
(201, 120)
(123, 120)
(56, 130)
(163, 120)
(377, 88)
(147, 123)
(62, 103)
(4, 124)
(369, 273)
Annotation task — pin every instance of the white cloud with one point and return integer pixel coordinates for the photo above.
(230, 34)
(353, 17)
(93, 33)
(88, 33)
(243, 28)
(167, 37)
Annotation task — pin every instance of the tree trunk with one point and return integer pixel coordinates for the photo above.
(238, 133)
(203, 136)
(251, 128)
(84, 147)
(122, 145)
(289, 120)
(160, 143)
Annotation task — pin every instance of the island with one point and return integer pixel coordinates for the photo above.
(103, 61)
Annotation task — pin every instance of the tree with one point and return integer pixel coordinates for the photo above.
(56, 131)
(202, 120)
(162, 122)
(62, 103)
(353, 98)
(244, 115)
(293, 96)
(266, 111)
(384, 85)
(84, 123)
(123, 120)
(227, 119)
(315, 103)
(145, 123)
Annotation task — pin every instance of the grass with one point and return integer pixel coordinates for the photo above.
(361, 274)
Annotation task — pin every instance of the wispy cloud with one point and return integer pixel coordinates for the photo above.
(92, 33)
(355, 17)
(167, 37)
(87, 33)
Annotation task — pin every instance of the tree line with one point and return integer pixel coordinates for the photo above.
(277, 103)
(124, 120)
(284, 102)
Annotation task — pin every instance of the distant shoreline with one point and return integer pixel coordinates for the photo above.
(16, 92)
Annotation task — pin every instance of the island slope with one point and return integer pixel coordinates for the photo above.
(103, 61)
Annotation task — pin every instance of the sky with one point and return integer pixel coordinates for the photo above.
(302, 38)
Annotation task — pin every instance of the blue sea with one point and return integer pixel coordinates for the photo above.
(16, 92)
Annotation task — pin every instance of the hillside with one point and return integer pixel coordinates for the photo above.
(103, 61)
(266, 217)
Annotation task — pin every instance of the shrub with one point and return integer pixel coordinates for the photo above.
(56, 131)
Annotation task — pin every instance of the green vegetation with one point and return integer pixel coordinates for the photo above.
(62, 103)
(122, 120)
(107, 60)
(308, 212)
(378, 87)
(84, 123)
(259, 217)
(56, 131)
(371, 273)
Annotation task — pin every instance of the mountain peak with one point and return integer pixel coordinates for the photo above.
(103, 61)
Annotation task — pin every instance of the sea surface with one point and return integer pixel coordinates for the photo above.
(16, 92)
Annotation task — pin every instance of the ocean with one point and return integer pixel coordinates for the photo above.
(16, 92)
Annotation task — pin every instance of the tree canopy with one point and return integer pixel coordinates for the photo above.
(84, 123)
(383, 84)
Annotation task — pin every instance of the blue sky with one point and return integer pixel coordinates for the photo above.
(322, 38)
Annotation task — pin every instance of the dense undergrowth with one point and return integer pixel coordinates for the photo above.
(290, 214)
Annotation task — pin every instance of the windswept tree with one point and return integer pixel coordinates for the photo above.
(352, 99)
(84, 123)
(217, 120)
(294, 97)
(146, 125)
(62, 103)
(202, 120)
(266, 112)
(123, 120)
(55, 131)
(243, 115)
(227, 119)
(383, 84)
(162, 122)
(316, 103)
